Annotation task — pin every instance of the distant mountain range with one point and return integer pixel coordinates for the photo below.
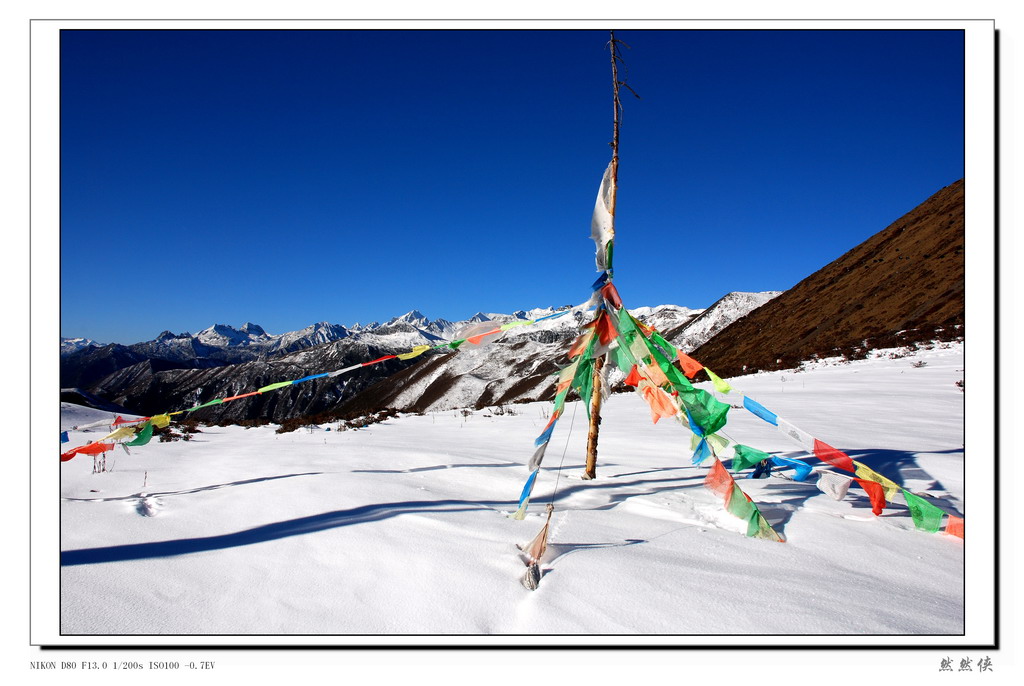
(175, 371)
(903, 285)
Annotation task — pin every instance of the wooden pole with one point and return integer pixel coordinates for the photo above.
(595, 422)
(590, 471)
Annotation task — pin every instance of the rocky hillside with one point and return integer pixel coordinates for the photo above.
(902, 285)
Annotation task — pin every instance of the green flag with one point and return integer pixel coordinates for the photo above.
(218, 401)
(143, 436)
(926, 516)
(738, 504)
(706, 410)
(747, 457)
(758, 527)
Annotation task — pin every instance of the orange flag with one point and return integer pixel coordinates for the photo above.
(955, 526)
(690, 365)
(660, 403)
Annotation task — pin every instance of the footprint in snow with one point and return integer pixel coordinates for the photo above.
(147, 507)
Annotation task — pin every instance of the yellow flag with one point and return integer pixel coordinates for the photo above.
(120, 432)
(718, 443)
(639, 349)
(160, 421)
(890, 487)
(417, 350)
(720, 385)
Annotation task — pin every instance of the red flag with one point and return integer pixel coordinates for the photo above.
(611, 294)
(391, 357)
(89, 449)
(955, 526)
(876, 493)
(690, 365)
(634, 377)
(719, 480)
(836, 458)
(602, 324)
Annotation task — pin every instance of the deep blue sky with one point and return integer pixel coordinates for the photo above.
(289, 177)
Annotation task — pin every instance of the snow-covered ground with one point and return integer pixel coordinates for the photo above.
(401, 528)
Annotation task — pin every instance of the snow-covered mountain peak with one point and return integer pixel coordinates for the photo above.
(413, 317)
(253, 329)
(71, 345)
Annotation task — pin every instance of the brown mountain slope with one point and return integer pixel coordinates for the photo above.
(902, 285)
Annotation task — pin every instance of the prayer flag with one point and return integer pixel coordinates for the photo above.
(760, 410)
(160, 421)
(275, 386)
(89, 449)
(690, 365)
(926, 516)
(602, 223)
(955, 526)
(797, 434)
(834, 485)
(117, 434)
(478, 339)
(718, 479)
(758, 527)
(738, 504)
(249, 395)
(634, 378)
(660, 403)
(418, 350)
(538, 456)
(836, 458)
(144, 435)
(802, 469)
(581, 344)
(891, 488)
(535, 549)
(720, 385)
(64, 437)
(875, 494)
(611, 294)
(545, 435)
(524, 499)
(311, 377)
(656, 376)
(218, 401)
(702, 452)
(705, 410)
(747, 457)
(379, 359)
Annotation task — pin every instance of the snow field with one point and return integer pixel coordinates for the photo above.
(400, 528)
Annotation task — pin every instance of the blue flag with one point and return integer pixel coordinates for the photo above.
(761, 411)
(528, 488)
(801, 467)
(702, 452)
